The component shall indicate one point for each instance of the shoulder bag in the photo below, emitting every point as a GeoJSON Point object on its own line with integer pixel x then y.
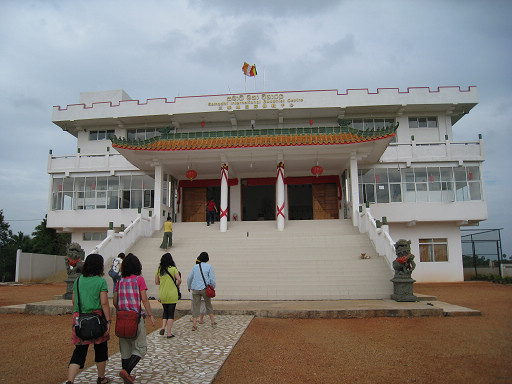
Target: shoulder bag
{"type": "Point", "coordinates": [127, 322]}
{"type": "Point", "coordinates": [210, 291]}
{"type": "Point", "coordinates": [89, 326]}
{"type": "Point", "coordinates": [112, 273]}
{"type": "Point", "coordinates": [174, 280]}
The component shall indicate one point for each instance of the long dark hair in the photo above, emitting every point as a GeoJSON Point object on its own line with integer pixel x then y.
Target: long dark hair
{"type": "Point", "coordinates": [131, 266]}
{"type": "Point", "coordinates": [93, 265]}
{"type": "Point", "coordinates": [165, 262]}
{"type": "Point", "coordinates": [202, 258]}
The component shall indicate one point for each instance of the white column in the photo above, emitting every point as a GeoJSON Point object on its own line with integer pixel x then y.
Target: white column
{"type": "Point", "coordinates": [280, 196]}
{"type": "Point", "coordinates": [224, 197]}
{"type": "Point", "coordinates": [354, 184]}
{"type": "Point", "coordinates": [158, 197]}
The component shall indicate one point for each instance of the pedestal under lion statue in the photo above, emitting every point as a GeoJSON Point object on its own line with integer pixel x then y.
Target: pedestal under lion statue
{"type": "Point", "coordinates": [403, 266]}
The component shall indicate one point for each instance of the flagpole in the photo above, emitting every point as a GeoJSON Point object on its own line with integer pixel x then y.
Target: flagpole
{"type": "Point", "coordinates": [245, 84]}
{"type": "Point", "coordinates": [264, 90]}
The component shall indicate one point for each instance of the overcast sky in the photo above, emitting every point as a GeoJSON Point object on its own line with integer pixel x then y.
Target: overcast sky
{"type": "Point", "coordinates": [50, 51]}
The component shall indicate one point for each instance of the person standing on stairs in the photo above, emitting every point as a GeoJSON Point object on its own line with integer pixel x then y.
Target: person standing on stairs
{"type": "Point", "coordinates": [131, 292]}
{"type": "Point", "coordinates": [211, 208]}
{"type": "Point", "coordinates": [168, 278]}
{"type": "Point", "coordinates": [167, 240]}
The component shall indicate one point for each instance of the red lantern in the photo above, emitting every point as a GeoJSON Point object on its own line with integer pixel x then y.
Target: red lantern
{"type": "Point", "coordinates": [310, 121]}
{"type": "Point", "coordinates": [191, 174]}
{"type": "Point", "coordinates": [202, 124]}
{"type": "Point", "coordinates": [317, 170]}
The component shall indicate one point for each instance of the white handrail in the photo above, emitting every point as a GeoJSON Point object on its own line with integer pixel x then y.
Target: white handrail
{"type": "Point", "coordinates": [115, 243]}
{"type": "Point", "coordinates": [384, 244]}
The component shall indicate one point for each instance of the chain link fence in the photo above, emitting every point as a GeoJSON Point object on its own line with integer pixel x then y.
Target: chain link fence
{"type": "Point", "coordinates": [481, 252]}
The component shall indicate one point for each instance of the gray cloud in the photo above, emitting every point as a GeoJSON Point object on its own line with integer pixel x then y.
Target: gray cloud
{"type": "Point", "coordinates": [53, 50]}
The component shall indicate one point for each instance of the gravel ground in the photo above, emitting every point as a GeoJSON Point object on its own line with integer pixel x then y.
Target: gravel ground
{"type": "Point", "coordinates": [378, 350]}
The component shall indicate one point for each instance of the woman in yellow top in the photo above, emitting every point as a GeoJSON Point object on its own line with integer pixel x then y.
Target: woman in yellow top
{"type": "Point", "coordinates": [167, 241]}
{"type": "Point", "coordinates": [169, 279]}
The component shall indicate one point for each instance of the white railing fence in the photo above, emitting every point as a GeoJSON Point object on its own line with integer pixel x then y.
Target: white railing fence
{"type": "Point", "coordinates": [379, 235]}
{"type": "Point", "coordinates": [115, 243]}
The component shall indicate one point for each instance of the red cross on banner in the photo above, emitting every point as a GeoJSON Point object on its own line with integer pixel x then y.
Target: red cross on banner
{"type": "Point", "coordinates": [280, 210]}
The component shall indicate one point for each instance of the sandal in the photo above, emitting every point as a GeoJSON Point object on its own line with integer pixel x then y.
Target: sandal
{"type": "Point", "coordinates": [103, 380]}
{"type": "Point", "coordinates": [162, 331]}
{"type": "Point", "coordinates": [194, 328]}
{"type": "Point", "coordinates": [126, 377]}
{"type": "Point", "coordinates": [171, 335]}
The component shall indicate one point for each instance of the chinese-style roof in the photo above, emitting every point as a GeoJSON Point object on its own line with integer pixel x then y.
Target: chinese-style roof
{"type": "Point", "coordinates": [251, 138]}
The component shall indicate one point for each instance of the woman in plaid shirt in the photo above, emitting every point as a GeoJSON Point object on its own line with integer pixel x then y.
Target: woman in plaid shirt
{"type": "Point", "coordinates": [130, 292]}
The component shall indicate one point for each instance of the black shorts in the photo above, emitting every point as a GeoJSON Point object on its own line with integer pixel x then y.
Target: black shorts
{"type": "Point", "coordinates": [168, 311]}
{"type": "Point", "coordinates": [80, 353]}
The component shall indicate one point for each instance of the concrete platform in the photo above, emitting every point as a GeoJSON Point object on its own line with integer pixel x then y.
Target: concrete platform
{"type": "Point", "coordinates": [331, 309]}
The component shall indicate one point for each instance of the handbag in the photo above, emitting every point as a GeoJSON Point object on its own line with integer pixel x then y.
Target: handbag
{"type": "Point", "coordinates": [174, 280]}
{"type": "Point", "coordinates": [113, 274]}
{"type": "Point", "coordinates": [127, 322]}
{"type": "Point", "coordinates": [210, 291]}
{"type": "Point", "coordinates": [89, 326]}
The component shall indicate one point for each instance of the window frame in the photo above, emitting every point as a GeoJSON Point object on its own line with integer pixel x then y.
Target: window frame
{"type": "Point", "coordinates": [423, 122]}
{"type": "Point", "coordinates": [434, 246]}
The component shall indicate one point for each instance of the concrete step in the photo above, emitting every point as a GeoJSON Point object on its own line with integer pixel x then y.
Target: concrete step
{"type": "Point", "coordinates": [309, 260]}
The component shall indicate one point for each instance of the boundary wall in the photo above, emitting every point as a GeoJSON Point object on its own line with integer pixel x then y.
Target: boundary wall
{"type": "Point", "coordinates": [36, 267]}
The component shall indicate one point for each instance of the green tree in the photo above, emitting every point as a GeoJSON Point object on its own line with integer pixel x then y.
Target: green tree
{"type": "Point", "coordinates": [47, 240]}
{"type": "Point", "coordinates": [21, 241]}
{"type": "Point", "coordinates": [7, 251]}
{"type": "Point", "coordinates": [5, 232]}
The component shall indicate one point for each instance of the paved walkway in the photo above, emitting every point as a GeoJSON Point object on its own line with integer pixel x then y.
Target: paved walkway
{"type": "Point", "coordinates": [191, 357]}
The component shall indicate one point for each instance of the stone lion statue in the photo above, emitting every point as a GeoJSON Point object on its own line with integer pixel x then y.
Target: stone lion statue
{"type": "Point", "coordinates": [404, 263]}
{"type": "Point", "coordinates": [74, 259]}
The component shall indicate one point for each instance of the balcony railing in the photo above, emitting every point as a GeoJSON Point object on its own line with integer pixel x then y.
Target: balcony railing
{"type": "Point", "coordinates": [434, 151]}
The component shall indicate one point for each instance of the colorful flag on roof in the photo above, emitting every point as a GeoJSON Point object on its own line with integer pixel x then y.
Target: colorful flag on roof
{"type": "Point", "coordinates": [249, 70]}
{"type": "Point", "coordinates": [246, 69]}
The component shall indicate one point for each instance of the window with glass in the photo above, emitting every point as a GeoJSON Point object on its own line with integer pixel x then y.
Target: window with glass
{"type": "Point", "coordinates": [420, 184]}
{"type": "Point", "coordinates": [423, 122]}
{"type": "Point", "coordinates": [103, 192]}
{"type": "Point", "coordinates": [101, 135]}
{"type": "Point", "coordinates": [142, 133]}
{"type": "Point", "coordinates": [433, 250]}
{"type": "Point", "coordinates": [371, 124]}
{"type": "Point", "coordinates": [94, 236]}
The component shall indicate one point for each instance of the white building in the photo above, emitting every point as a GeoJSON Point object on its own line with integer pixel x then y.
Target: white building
{"type": "Point", "coordinates": [254, 154]}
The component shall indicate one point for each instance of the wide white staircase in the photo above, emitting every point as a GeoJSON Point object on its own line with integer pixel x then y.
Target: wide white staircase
{"type": "Point", "coordinates": [309, 260]}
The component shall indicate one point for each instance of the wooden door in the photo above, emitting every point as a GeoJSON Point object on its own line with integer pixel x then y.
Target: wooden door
{"type": "Point", "coordinates": [325, 201]}
{"type": "Point", "coordinates": [194, 209]}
